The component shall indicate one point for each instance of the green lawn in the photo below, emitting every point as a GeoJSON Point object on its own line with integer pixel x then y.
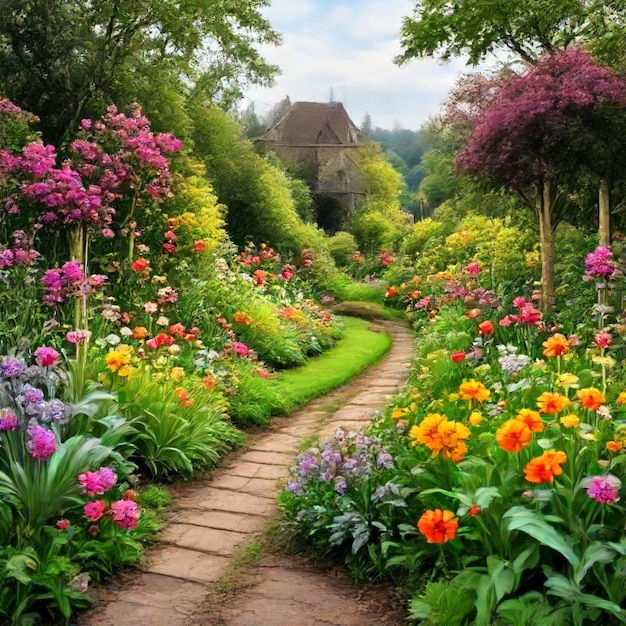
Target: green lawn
{"type": "Point", "coordinates": [359, 349]}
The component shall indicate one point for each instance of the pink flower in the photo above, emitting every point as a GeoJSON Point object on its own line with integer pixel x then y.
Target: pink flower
{"type": "Point", "coordinates": [42, 443]}
{"type": "Point", "coordinates": [77, 336]}
{"type": "Point", "coordinates": [287, 273]}
{"type": "Point", "coordinates": [603, 489]}
{"type": "Point", "coordinates": [240, 348]}
{"type": "Point", "coordinates": [63, 524]}
{"type": "Point", "coordinates": [96, 483]}
{"type": "Point", "coordinates": [46, 356]}
{"type": "Point", "coordinates": [150, 307]}
{"type": "Point", "coordinates": [473, 269]}
{"type": "Point", "coordinates": [125, 514]}
{"type": "Point", "coordinates": [8, 420]}
{"type": "Point", "coordinates": [603, 339]}
{"type": "Point", "coordinates": [95, 510]}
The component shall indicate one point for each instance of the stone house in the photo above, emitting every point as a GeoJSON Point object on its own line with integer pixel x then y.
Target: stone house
{"type": "Point", "coordinates": [323, 139]}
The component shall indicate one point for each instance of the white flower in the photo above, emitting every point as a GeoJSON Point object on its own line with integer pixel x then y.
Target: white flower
{"type": "Point", "coordinates": [113, 340]}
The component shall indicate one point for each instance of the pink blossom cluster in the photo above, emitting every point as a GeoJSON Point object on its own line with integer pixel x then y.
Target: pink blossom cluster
{"type": "Point", "coordinates": [20, 253]}
{"type": "Point", "coordinates": [61, 283]}
{"type": "Point", "coordinates": [603, 489]}
{"type": "Point", "coordinates": [527, 314]}
{"type": "Point", "coordinates": [241, 349]}
{"type": "Point", "coordinates": [98, 482]}
{"type": "Point", "coordinates": [42, 443]}
{"type": "Point", "coordinates": [124, 513]}
{"type": "Point", "coordinates": [599, 264]}
{"type": "Point", "coordinates": [8, 420]}
{"type": "Point", "coordinates": [46, 356]}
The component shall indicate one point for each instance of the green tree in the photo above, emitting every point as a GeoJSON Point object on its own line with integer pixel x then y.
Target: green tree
{"type": "Point", "coordinates": [527, 28]}
{"type": "Point", "coordinates": [66, 60]}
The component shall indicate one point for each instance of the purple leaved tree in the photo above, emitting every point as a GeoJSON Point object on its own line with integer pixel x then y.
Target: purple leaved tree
{"type": "Point", "coordinates": [528, 137]}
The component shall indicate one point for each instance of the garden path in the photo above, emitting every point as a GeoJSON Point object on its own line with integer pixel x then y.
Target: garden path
{"type": "Point", "coordinates": [213, 519]}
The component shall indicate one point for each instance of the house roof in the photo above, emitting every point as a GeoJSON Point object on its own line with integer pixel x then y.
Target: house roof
{"type": "Point", "coordinates": [314, 123]}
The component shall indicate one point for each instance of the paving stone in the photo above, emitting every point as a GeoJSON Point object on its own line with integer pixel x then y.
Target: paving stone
{"type": "Point", "coordinates": [240, 522]}
{"type": "Point", "coordinates": [276, 443]}
{"type": "Point", "coordinates": [203, 539]}
{"type": "Point", "coordinates": [280, 459]}
{"type": "Point", "coordinates": [185, 564]}
{"type": "Point", "coordinates": [257, 470]}
{"type": "Point", "coordinates": [254, 486]}
{"type": "Point", "coordinates": [222, 500]}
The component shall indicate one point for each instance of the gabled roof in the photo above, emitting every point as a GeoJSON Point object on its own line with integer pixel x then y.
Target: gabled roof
{"type": "Point", "coordinates": [314, 123]}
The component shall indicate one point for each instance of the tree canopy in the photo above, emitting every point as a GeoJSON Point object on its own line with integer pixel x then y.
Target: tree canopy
{"type": "Point", "coordinates": [66, 60]}
{"type": "Point", "coordinates": [527, 28]}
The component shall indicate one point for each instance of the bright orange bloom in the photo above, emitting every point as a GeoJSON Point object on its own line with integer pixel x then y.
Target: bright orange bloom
{"type": "Point", "coordinates": [513, 435]}
{"type": "Point", "coordinates": [208, 381]}
{"type": "Point", "coordinates": [613, 446]}
{"type": "Point", "coordinates": [557, 345]}
{"type": "Point", "coordinates": [140, 332]}
{"type": "Point", "coordinates": [473, 390]}
{"type": "Point", "coordinates": [485, 328]}
{"type": "Point", "coordinates": [440, 435]}
{"type": "Point", "coordinates": [239, 317]}
{"type": "Point", "coordinates": [531, 418]}
{"type": "Point", "coordinates": [591, 398]}
{"type": "Point", "coordinates": [544, 468]}
{"type": "Point", "coordinates": [182, 394]}
{"type": "Point", "coordinates": [438, 526]}
{"type": "Point", "coordinates": [550, 402]}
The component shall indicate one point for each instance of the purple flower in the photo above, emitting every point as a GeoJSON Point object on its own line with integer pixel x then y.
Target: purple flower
{"type": "Point", "coordinates": [326, 476]}
{"type": "Point", "coordinates": [42, 443]}
{"type": "Point", "coordinates": [295, 487]}
{"type": "Point", "coordinates": [32, 394]}
{"type": "Point", "coordinates": [55, 411]}
{"type": "Point", "coordinates": [603, 489]}
{"type": "Point", "coordinates": [8, 420]}
{"type": "Point", "coordinates": [384, 459]}
{"type": "Point", "coordinates": [307, 465]}
{"type": "Point", "coordinates": [331, 456]}
{"type": "Point", "coordinates": [599, 264]}
{"type": "Point", "coordinates": [12, 367]}
{"type": "Point", "coordinates": [341, 486]}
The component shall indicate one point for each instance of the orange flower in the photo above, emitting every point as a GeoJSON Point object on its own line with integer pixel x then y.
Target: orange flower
{"type": "Point", "coordinates": [438, 526]}
{"type": "Point", "coordinates": [544, 468]}
{"type": "Point", "coordinates": [473, 390]}
{"type": "Point", "coordinates": [557, 345]}
{"type": "Point", "coordinates": [440, 435]}
{"type": "Point", "coordinates": [550, 402]}
{"type": "Point", "coordinates": [590, 398]}
{"type": "Point", "coordinates": [514, 435]}
{"type": "Point", "coordinates": [613, 446]}
{"type": "Point", "coordinates": [531, 418]}
{"type": "Point", "coordinates": [239, 317]}
{"type": "Point", "coordinates": [140, 332]}
{"type": "Point", "coordinates": [485, 328]}
{"type": "Point", "coordinates": [182, 394]}
{"type": "Point", "coordinates": [208, 381]}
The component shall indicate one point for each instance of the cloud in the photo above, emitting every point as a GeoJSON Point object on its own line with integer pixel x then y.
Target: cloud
{"type": "Point", "coordinates": [349, 47]}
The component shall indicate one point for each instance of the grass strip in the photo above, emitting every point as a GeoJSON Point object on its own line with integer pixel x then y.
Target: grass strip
{"type": "Point", "coordinates": [359, 349]}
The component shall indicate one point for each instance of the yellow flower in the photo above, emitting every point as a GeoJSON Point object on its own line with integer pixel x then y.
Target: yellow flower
{"type": "Point", "coordinates": [557, 345]}
{"type": "Point", "coordinates": [605, 361]}
{"type": "Point", "coordinates": [570, 421]}
{"type": "Point", "coordinates": [567, 380]}
{"type": "Point", "coordinates": [399, 413]}
{"type": "Point", "coordinates": [475, 418]}
{"type": "Point", "coordinates": [176, 373]}
{"type": "Point", "coordinates": [125, 371]}
{"type": "Point", "coordinates": [117, 358]}
{"type": "Point", "coordinates": [621, 399]}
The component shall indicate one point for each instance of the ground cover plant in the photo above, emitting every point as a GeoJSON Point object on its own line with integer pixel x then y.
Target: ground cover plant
{"type": "Point", "coordinates": [491, 490]}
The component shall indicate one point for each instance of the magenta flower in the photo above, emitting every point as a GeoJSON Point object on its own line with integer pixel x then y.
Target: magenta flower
{"type": "Point", "coordinates": [12, 367]}
{"type": "Point", "coordinates": [95, 510]}
{"type": "Point", "coordinates": [46, 356]}
{"type": "Point", "coordinates": [125, 514]}
{"type": "Point", "coordinates": [240, 349]}
{"type": "Point", "coordinates": [8, 420]}
{"type": "Point", "coordinates": [96, 483]}
{"type": "Point", "coordinates": [77, 336]}
{"type": "Point", "coordinates": [599, 264]}
{"type": "Point", "coordinates": [603, 489]}
{"type": "Point", "coordinates": [42, 443]}
{"type": "Point", "coordinates": [473, 269]}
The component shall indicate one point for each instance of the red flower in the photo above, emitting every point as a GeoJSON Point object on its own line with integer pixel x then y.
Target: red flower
{"type": "Point", "coordinates": [162, 339]}
{"type": "Point", "coordinates": [168, 248]}
{"type": "Point", "coordinates": [457, 357]}
{"type": "Point", "coordinates": [140, 264]}
{"type": "Point", "coordinates": [485, 328]}
{"type": "Point", "coordinates": [287, 273]}
{"type": "Point", "coordinates": [199, 246]}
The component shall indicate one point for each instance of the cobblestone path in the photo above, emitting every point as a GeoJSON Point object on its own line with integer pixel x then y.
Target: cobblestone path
{"type": "Point", "coordinates": [212, 519]}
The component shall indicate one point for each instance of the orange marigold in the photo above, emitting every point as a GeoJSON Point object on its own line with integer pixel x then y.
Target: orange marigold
{"type": "Point", "coordinates": [591, 398]}
{"type": "Point", "coordinates": [557, 345]}
{"type": "Point", "coordinates": [513, 435]}
{"type": "Point", "coordinates": [473, 390]}
{"type": "Point", "coordinates": [440, 435]}
{"type": "Point", "coordinates": [544, 468]}
{"type": "Point", "coordinates": [531, 418]}
{"type": "Point", "coordinates": [438, 526]}
{"type": "Point", "coordinates": [613, 446]}
{"type": "Point", "coordinates": [140, 332]}
{"type": "Point", "coordinates": [239, 317]}
{"type": "Point", "coordinates": [570, 421]}
{"type": "Point", "coordinates": [621, 399]}
{"type": "Point", "coordinates": [551, 402]}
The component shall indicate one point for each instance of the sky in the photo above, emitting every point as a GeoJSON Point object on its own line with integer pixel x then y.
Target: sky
{"type": "Point", "coordinates": [349, 46]}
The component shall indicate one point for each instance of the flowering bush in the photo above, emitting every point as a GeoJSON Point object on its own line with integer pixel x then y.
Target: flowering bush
{"type": "Point", "coordinates": [506, 452]}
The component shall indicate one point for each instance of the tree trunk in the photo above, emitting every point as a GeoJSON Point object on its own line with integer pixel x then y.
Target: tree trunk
{"type": "Point", "coordinates": [543, 208]}
{"type": "Point", "coordinates": [604, 229]}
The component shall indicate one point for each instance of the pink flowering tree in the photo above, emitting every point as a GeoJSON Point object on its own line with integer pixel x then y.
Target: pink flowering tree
{"type": "Point", "coordinates": [523, 139]}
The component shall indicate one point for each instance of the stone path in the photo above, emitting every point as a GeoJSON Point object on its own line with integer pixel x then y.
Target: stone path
{"type": "Point", "coordinates": [212, 519]}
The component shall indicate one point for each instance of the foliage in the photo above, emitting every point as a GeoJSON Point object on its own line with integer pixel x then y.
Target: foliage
{"type": "Point", "coordinates": [527, 29]}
